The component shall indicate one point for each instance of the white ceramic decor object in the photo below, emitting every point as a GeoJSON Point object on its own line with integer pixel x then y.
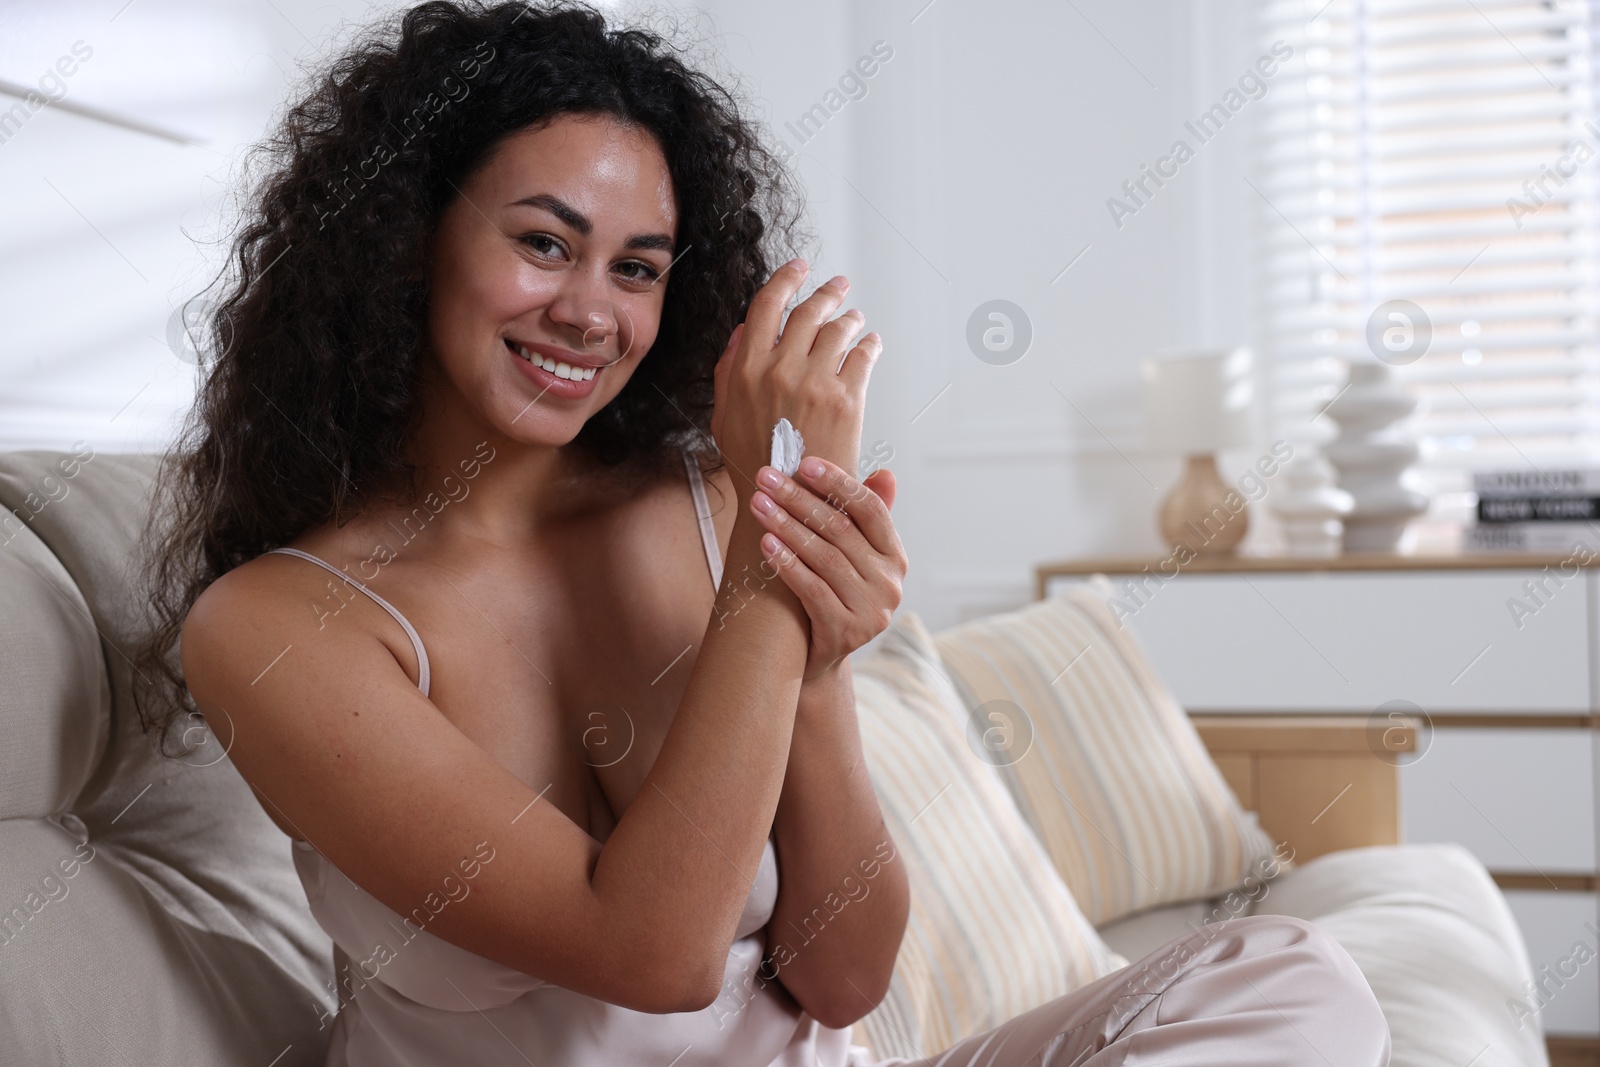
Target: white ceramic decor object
{"type": "Point", "coordinates": [1374, 454]}
{"type": "Point", "coordinates": [788, 447]}
{"type": "Point", "coordinates": [1311, 507]}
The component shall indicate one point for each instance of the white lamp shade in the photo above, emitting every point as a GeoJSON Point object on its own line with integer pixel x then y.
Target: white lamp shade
{"type": "Point", "coordinates": [1197, 402]}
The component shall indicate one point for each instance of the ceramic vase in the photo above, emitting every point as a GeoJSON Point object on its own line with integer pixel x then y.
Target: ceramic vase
{"type": "Point", "coordinates": [1311, 508]}
{"type": "Point", "coordinates": [1374, 454]}
{"type": "Point", "coordinates": [1197, 513]}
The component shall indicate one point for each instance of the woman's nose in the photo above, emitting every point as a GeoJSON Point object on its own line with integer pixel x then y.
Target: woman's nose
{"type": "Point", "coordinates": [599, 322]}
{"type": "Point", "coordinates": [599, 327]}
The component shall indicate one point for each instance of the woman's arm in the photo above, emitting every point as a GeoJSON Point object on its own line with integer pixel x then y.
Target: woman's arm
{"type": "Point", "coordinates": [843, 897]}
{"type": "Point", "coordinates": [843, 901]}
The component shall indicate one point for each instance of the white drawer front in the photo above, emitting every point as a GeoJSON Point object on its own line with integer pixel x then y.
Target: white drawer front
{"type": "Point", "coordinates": [1521, 800]}
{"type": "Point", "coordinates": [1353, 641]}
{"type": "Point", "coordinates": [1553, 924]}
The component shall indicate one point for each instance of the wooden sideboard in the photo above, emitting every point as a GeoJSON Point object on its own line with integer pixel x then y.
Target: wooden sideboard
{"type": "Point", "coordinates": [1497, 656]}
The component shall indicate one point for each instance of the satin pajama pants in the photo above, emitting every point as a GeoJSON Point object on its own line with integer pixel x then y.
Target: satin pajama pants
{"type": "Point", "coordinates": [1265, 990]}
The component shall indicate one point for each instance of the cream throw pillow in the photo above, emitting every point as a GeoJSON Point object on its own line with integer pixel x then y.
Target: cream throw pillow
{"type": "Point", "coordinates": [993, 931]}
{"type": "Point", "coordinates": [1103, 763]}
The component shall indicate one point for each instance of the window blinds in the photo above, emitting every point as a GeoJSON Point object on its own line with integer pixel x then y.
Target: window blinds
{"type": "Point", "coordinates": [1446, 154]}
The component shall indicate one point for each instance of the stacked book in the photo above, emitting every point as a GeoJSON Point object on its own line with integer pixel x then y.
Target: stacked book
{"type": "Point", "coordinates": [1535, 511]}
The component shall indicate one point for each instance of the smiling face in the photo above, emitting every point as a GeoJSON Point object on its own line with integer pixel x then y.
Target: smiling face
{"type": "Point", "coordinates": [549, 272]}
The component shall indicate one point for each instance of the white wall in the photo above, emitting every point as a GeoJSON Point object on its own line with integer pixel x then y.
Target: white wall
{"type": "Point", "coordinates": [976, 167]}
{"type": "Point", "coordinates": [106, 232]}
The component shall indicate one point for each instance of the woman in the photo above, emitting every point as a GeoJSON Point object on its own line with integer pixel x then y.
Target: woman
{"type": "Point", "coordinates": [482, 576]}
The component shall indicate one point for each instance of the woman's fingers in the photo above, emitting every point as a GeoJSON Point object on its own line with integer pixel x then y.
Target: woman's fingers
{"type": "Point", "coordinates": [867, 511]}
{"type": "Point", "coordinates": [821, 556]}
{"type": "Point", "coordinates": [810, 369]}
{"type": "Point", "coordinates": [881, 481]}
{"type": "Point", "coordinates": [816, 595]}
{"type": "Point", "coordinates": [806, 321]}
{"type": "Point", "coordinates": [719, 381]}
{"type": "Point", "coordinates": [834, 339]}
{"type": "Point", "coordinates": [766, 308]}
{"type": "Point", "coordinates": [821, 518]}
{"type": "Point", "coordinates": [857, 365]}
{"type": "Point", "coordinates": [800, 328]}
{"type": "Point", "coordinates": [731, 347]}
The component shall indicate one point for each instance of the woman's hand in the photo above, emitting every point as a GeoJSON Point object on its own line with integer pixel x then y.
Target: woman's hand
{"type": "Point", "coordinates": [814, 375]}
{"type": "Point", "coordinates": [832, 542]}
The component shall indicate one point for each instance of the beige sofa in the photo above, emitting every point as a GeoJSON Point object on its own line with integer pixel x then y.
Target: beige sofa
{"type": "Point", "coordinates": [150, 913]}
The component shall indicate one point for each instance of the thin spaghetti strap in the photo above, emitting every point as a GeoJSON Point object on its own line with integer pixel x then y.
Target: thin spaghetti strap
{"type": "Point", "coordinates": [702, 513]}
{"type": "Point", "coordinates": [411, 631]}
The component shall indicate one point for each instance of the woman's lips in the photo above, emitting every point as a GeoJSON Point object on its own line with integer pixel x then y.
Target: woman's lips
{"type": "Point", "coordinates": [552, 376]}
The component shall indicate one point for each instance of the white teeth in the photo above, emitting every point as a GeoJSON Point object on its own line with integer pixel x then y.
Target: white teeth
{"type": "Point", "coordinates": [560, 370]}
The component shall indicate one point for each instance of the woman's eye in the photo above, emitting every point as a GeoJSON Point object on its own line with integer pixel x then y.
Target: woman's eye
{"type": "Point", "coordinates": [542, 243]}
{"type": "Point", "coordinates": [635, 271]}
{"type": "Point", "coordinates": [632, 271]}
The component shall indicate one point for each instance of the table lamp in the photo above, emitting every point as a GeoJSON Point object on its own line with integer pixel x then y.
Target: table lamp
{"type": "Point", "coordinates": [1195, 404]}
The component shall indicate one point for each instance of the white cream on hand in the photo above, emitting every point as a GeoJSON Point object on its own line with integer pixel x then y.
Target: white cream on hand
{"type": "Point", "coordinates": [787, 447]}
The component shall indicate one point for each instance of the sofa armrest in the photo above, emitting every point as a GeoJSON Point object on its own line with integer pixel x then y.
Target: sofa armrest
{"type": "Point", "coordinates": [1319, 782]}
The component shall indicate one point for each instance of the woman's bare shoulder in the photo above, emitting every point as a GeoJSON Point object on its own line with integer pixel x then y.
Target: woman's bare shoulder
{"type": "Point", "coordinates": [274, 598]}
{"type": "Point", "coordinates": [254, 585]}
{"type": "Point", "coordinates": [268, 583]}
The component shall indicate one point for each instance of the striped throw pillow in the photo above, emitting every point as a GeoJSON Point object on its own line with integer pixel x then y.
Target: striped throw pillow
{"type": "Point", "coordinates": [993, 931]}
{"type": "Point", "coordinates": [1105, 766]}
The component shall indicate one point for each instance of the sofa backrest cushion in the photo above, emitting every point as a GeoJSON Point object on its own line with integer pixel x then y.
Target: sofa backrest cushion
{"type": "Point", "coordinates": [1103, 763]}
{"type": "Point", "coordinates": [993, 931]}
{"type": "Point", "coordinates": [55, 700]}
{"type": "Point", "coordinates": [149, 910]}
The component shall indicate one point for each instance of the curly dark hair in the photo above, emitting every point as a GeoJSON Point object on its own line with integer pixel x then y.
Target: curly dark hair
{"type": "Point", "coordinates": [320, 328]}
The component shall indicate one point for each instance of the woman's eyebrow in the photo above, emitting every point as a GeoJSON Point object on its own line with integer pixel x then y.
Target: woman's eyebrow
{"type": "Point", "coordinates": [579, 221]}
